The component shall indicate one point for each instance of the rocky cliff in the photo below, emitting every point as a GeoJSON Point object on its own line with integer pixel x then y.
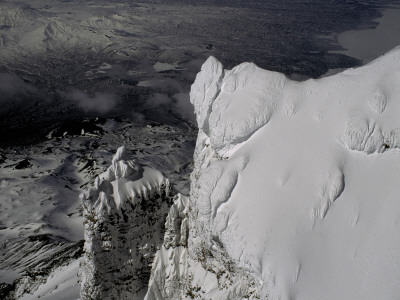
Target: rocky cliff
{"type": "Point", "coordinates": [124, 216]}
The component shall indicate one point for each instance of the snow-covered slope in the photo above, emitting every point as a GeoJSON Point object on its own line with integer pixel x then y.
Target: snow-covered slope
{"type": "Point", "coordinates": [295, 186]}
{"type": "Point", "coordinates": [38, 266]}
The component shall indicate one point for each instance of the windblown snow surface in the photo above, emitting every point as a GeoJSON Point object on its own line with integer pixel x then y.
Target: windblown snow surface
{"type": "Point", "coordinates": [297, 183]}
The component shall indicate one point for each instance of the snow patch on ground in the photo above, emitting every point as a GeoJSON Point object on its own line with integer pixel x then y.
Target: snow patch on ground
{"type": "Point", "coordinates": [62, 284]}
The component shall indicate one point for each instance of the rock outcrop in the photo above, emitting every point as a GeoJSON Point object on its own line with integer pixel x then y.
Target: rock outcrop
{"type": "Point", "coordinates": [124, 216]}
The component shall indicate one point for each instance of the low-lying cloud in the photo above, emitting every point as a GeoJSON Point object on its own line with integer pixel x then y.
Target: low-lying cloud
{"type": "Point", "coordinates": [183, 106]}
{"type": "Point", "coordinates": [159, 99]}
{"type": "Point", "coordinates": [98, 102]}
{"type": "Point", "coordinates": [138, 119]}
{"type": "Point", "coordinates": [179, 103]}
{"type": "Point", "coordinates": [12, 86]}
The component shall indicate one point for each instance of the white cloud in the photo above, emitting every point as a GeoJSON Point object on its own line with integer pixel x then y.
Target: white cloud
{"type": "Point", "coordinates": [183, 106]}
{"type": "Point", "coordinates": [99, 102]}
{"type": "Point", "coordinates": [11, 85]}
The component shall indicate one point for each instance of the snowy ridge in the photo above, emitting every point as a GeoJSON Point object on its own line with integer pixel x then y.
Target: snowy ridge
{"type": "Point", "coordinates": [296, 182]}
{"type": "Point", "coordinates": [124, 216]}
{"type": "Point", "coordinates": [225, 119]}
{"type": "Point", "coordinates": [124, 180]}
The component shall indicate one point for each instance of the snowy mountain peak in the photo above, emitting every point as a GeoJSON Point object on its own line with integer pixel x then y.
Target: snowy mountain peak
{"type": "Point", "coordinates": [231, 105]}
{"type": "Point", "coordinates": [205, 89]}
{"type": "Point", "coordinates": [297, 179]}
{"type": "Point", "coordinates": [124, 180]}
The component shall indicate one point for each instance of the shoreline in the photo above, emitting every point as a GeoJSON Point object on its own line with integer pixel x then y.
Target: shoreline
{"type": "Point", "coordinates": [369, 44]}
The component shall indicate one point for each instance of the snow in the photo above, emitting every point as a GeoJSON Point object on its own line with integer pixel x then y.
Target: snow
{"type": "Point", "coordinates": [294, 192]}
{"type": "Point", "coordinates": [124, 180]}
{"type": "Point", "coordinates": [299, 181]}
{"type": "Point", "coordinates": [161, 67]}
{"type": "Point", "coordinates": [62, 284]}
{"type": "Point", "coordinates": [41, 197]}
{"type": "Point", "coordinates": [241, 121]}
{"type": "Point", "coordinates": [8, 276]}
{"type": "Point", "coordinates": [40, 209]}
